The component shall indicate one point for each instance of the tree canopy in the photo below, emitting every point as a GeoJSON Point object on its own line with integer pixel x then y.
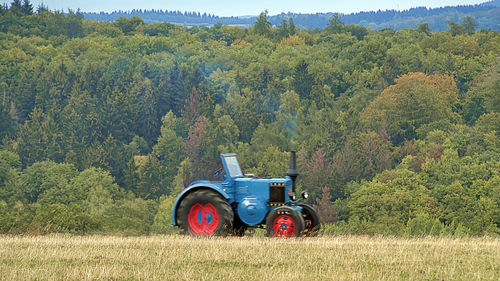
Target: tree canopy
{"type": "Point", "coordinates": [396, 131]}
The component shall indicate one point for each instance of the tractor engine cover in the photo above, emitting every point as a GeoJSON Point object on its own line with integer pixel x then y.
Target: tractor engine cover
{"type": "Point", "coordinates": [252, 210]}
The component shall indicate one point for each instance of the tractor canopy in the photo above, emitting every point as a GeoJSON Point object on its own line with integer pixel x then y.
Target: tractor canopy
{"type": "Point", "coordinates": [231, 165]}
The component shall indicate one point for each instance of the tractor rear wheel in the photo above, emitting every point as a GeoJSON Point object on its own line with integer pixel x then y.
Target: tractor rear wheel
{"type": "Point", "coordinates": [284, 222]}
{"type": "Point", "coordinates": [205, 212]}
{"type": "Point", "coordinates": [311, 220]}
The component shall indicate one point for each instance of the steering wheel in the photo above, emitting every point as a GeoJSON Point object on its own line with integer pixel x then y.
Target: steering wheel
{"type": "Point", "coordinates": [218, 172]}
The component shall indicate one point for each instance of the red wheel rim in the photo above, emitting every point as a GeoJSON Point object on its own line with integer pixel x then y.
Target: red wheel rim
{"type": "Point", "coordinates": [284, 226]}
{"type": "Point", "coordinates": [203, 220]}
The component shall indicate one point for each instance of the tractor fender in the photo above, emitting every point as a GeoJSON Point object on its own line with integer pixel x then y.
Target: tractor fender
{"type": "Point", "coordinates": [193, 188]}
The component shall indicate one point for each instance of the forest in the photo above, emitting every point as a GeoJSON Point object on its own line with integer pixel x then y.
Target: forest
{"type": "Point", "coordinates": [397, 132]}
{"type": "Point", "coordinates": [485, 15]}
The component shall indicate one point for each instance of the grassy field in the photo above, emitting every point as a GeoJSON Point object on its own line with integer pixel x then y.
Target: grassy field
{"type": "Point", "coordinates": [175, 257]}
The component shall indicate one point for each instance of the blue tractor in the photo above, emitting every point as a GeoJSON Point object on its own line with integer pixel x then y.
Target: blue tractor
{"type": "Point", "coordinates": [240, 201]}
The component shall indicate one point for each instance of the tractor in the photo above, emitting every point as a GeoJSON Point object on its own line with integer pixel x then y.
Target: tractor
{"type": "Point", "coordinates": [238, 201]}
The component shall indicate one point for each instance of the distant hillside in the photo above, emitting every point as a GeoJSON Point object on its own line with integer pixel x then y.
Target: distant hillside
{"type": "Point", "coordinates": [486, 15]}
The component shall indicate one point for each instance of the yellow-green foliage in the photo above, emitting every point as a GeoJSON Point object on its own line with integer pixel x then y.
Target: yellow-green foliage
{"type": "Point", "coordinates": [397, 131]}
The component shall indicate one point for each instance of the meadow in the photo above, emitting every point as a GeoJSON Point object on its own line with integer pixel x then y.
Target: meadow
{"type": "Point", "coordinates": [173, 257]}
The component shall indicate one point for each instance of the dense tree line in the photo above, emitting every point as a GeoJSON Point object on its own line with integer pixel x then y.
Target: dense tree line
{"type": "Point", "coordinates": [177, 17]}
{"type": "Point", "coordinates": [485, 14]}
{"type": "Point", "coordinates": [397, 131]}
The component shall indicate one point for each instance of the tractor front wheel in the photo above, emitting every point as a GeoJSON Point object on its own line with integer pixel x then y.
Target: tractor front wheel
{"type": "Point", "coordinates": [205, 212]}
{"type": "Point", "coordinates": [284, 222]}
{"type": "Point", "coordinates": [311, 220]}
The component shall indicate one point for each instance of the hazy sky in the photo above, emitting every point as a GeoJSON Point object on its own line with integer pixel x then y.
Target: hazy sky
{"type": "Point", "coordinates": [249, 7]}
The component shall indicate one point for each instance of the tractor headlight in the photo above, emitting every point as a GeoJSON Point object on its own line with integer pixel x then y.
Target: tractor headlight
{"type": "Point", "coordinates": [292, 196]}
{"type": "Point", "coordinates": [304, 194]}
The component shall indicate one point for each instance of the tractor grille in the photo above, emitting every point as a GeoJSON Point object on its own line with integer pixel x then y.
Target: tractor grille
{"type": "Point", "coordinates": [276, 194]}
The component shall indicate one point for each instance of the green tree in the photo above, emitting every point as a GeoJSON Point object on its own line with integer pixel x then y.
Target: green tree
{"type": "Point", "coordinates": [244, 110]}
{"type": "Point", "coordinates": [273, 163]}
{"type": "Point", "coordinates": [415, 100]}
{"type": "Point", "coordinates": [302, 80]}
{"type": "Point", "coordinates": [469, 25]}
{"type": "Point", "coordinates": [131, 216]}
{"type": "Point", "coordinates": [74, 25]}
{"type": "Point", "coordinates": [128, 25]}
{"type": "Point", "coordinates": [391, 198]}
{"type": "Point", "coordinates": [7, 124]}
{"type": "Point", "coordinates": [262, 26]}
{"type": "Point", "coordinates": [40, 139]}
{"type": "Point", "coordinates": [286, 29]}
{"type": "Point", "coordinates": [63, 218]}
{"type": "Point", "coordinates": [266, 135]}
{"type": "Point", "coordinates": [16, 7]}
{"type": "Point", "coordinates": [54, 185]}
{"type": "Point", "coordinates": [424, 28]}
{"type": "Point", "coordinates": [224, 132]}
{"type": "Point", "coordinates": [150, 184]}
{"type": "Point", "coordinates": [163, 219]}
{"type": "Point", "coordinates": [9, 173]}
{"type": "Point", "coordinates": [97, 188]}
{"type": "Point", "coordinates": [138, 146]}
{"type": "Point", "coordinates": [482, 96]}
{"type": "Point", "coordinates": [27, 7]}
{"type": "Point", "coordinates": [335, 25]}
{"type": "Point", "coordinates": [170, 148]}
{"type": "Point", "coordinates": [455, 28]}
{"type": "Point", "coordinates": [292, 29]}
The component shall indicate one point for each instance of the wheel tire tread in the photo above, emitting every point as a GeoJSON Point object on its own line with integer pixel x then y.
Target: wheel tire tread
{"type": "Point", "coordinates": [316, 222]}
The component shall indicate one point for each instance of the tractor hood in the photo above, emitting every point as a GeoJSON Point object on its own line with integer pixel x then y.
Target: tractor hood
{"type": "Point", "coordinates": [287, 180]}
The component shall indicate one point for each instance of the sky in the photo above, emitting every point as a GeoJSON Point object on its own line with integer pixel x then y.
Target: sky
{"type": "Point", "coordinates": [249, 7]}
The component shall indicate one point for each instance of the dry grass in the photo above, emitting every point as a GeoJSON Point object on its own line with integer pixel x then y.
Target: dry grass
{"type": "Point", "coordinates": [248, 258]}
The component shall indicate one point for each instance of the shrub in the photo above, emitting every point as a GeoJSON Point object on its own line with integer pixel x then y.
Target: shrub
{"type": "Point", "coordinates": [423, 224]}
{"type": "Point", "coordinates": [64, 218]}
{"type": "Point", "coordinates": [163, 219]}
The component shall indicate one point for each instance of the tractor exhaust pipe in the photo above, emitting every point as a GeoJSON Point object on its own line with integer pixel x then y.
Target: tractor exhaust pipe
{"type": "Point", "coordinates": [292, 172]}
